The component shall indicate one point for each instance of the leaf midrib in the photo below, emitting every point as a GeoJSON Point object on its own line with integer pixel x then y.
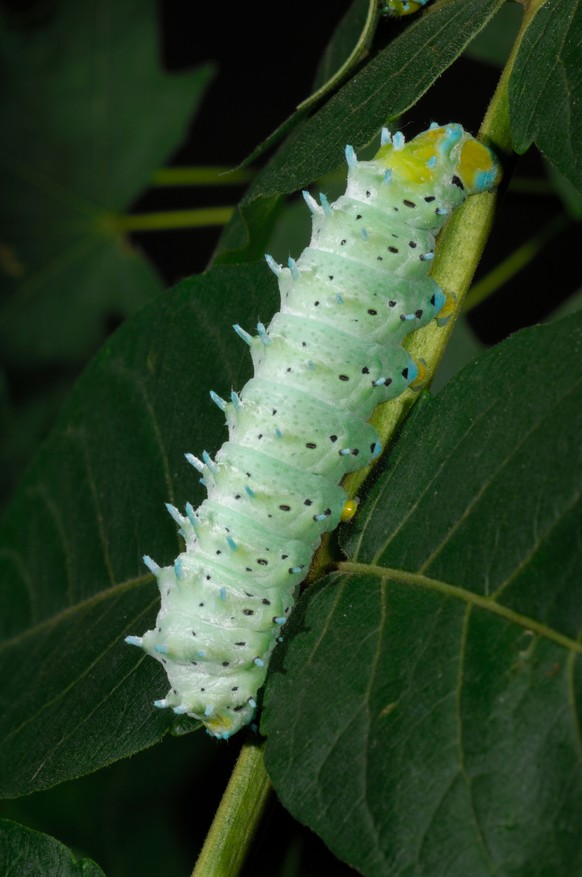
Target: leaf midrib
{"type": "Point", "coordinates": [468, 597]}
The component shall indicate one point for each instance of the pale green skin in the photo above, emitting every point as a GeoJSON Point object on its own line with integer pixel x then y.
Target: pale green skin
{"type": "Point", "coordinates": [218, 602]}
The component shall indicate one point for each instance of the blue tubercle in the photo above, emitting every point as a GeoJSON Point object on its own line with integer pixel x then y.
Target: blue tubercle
{"type": "Point", "coordinates": [263, 334]}
{"type": "Point", "coordinates": [151, 564]}
{"type": "Point", "coordinates": [218, 400]}
{"type": "Point", "coordinates": [175, 514]}
{"type": "Point", "coordinates": [293, 268]}
{"type": "Point", "coordinates": [398, 141]}
{"type": "Point", "coordinates": [325, 204]}
{"type": "Point", "coordinates": [194, 461]}
{"type": "Point", "coordinates": [242, 334]}
{"type": "Point", "coordinates": [351, 157]}
{"type": "Point", "coordinates": [274, 266]}
{"type": "Point", "coordinates": [311, 202]}
{"type": "Point", "coordinates": [134, 641]}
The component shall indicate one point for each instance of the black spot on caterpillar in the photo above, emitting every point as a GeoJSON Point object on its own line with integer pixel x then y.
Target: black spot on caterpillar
{"type": "Point", "coordinates": [327, 359]}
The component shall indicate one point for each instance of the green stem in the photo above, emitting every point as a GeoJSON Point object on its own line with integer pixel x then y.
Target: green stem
{"type": "Point", "coordinates": [514, 263]}
{"type": "Point", "coordinates": [165, 220]}
{"type": "Point", "coordinates": [237, 817]}
{"type": "Point", "coordinates": [201, 176]}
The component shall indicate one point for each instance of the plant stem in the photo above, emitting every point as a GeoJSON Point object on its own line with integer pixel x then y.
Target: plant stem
{"type": "Point", "coordinates": [201, 176]}
{"type": "Point", "coordinates": [514, 263]}
{"type": "Point", "coordinates": [237, 817]}
{"type": "Point", "coordinates": [169, 219]}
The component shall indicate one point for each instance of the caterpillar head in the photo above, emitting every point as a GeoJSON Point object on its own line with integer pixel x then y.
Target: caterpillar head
{"type": "Point", "coordinates": [438, 151]}
{"type": "Point", "coordinates": [446, 163]}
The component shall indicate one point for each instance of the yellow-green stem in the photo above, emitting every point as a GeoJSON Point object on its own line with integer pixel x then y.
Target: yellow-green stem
{"type": "Point", "coordinates": [172, 219]}
{"type": "Point", "coordinates": [201, 176]}
{"type": "Point", "coordinates": [237, 817]}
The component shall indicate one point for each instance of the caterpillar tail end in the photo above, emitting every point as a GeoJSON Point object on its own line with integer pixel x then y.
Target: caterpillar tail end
{"type": "Point", "coordinates": [223, 725]}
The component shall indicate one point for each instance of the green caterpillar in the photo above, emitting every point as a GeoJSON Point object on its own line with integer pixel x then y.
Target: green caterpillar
{"type": "Point", "coordinates": [402, 7]}
{"type": "Point", "coordinates": [327, 359]}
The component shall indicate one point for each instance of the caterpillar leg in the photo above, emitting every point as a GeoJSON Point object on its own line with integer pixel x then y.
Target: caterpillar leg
{"type": "Point", "coordinates": [447, 310]}
{"type": "Point", "coordinates": [402, 7]}
{"type": "Point", "coordinates": [349, 510]}
{"type": "Point", "coordinates": [420, 380]}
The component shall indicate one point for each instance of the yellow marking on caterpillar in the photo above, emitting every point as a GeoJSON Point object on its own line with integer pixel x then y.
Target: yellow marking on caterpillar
{"type": "Point", "coordinates": [421, 162]}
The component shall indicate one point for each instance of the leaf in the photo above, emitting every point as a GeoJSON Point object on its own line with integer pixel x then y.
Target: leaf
{"type": "Point", "coordinates": [424, 716]}
{"type": "Point", "coordinates": [88, 117]}
{"type": "Point", "coordinates": [31, 853]}
{"type": "Point", "coordinates": [383, 89]}
{"type": "Point", "coordinates": [74, 697]}
{"type": "Point", "coordinates": [545, 88]}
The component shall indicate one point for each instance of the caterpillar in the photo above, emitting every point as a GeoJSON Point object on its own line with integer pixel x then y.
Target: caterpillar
{"type": "Point", "coordinates": [402, 7]}
{"type": "Point", "coordinates": [329, 356]}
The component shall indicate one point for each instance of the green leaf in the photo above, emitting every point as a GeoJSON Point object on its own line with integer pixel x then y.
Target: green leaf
{"type": "Point", "coordinates": [31, 853]}
{"type": "Point", "coordinates": [424, 716]}
{"type": "Point", "coordinates": [545, 89]}
{"type": "Point", "coordinates": [383, 89]}
{"type": "Point", "coordinates": [72, 584]}
{"type": "Point", "coordinates": [88, 116]}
